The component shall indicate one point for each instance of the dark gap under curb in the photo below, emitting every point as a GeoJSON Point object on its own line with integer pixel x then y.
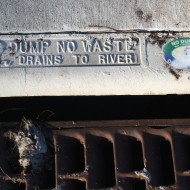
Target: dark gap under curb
{"type": "Point", "coordinates": [94, 107]}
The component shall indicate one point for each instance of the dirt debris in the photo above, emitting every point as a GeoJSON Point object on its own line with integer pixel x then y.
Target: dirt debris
{"type": "Point", "coordinates": [163, 188]}
{"type": "Point", "coordinates": [31, 146]}
{"type": "Point", "coordinates": [174, 73]}
{"type": "Point", "coordinates": [144, 174]}
{"type": "Point", "coordinates": [161, 38]}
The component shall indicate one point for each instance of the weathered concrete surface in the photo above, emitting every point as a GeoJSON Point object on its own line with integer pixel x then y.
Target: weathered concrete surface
{"type": "Point", "coordinates": [87, 15]}
{"type": "Point", "coordinates": [152, 76]}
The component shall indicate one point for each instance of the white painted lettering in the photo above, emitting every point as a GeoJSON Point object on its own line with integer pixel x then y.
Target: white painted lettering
{"type": "Point", "coordinates": [22, 60]}
{"type": "Point", "coordinates": [87, 46]}
{"type": "Point", "coordinates": [97, 46]}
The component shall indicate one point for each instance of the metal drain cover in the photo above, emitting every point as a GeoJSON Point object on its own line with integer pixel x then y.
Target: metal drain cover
{"type": "Point", "coordinates": [103, 157]}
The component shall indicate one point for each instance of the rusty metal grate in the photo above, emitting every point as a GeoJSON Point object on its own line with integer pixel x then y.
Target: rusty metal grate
{"type": "Point", "coordinates": [123, 158]}
{"type": "Point", "coordinates": [107, 156]}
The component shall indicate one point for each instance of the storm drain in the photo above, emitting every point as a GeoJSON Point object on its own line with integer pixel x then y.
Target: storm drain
{"type": "Point", "coordinates": [123, 158]}
{"type": "Point", "coordinates": [102, 158]}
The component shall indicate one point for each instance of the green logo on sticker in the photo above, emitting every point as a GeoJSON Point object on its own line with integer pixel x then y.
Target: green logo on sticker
{"type": "Point", "coordinates": [177, 53]}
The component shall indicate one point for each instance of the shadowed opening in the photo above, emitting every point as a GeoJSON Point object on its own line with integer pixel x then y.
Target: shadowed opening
{"type": "Point", "coordinates": [129, 153]}
{"type": "Point", "coordinates": [100, 161]}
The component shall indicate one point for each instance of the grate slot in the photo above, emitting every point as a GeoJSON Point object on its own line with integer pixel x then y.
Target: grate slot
{"type": "Point", "coordinates": [182, 151]}
{"type": "Point", "coordinates": [42, 180]}
{"type": "Point", "coordinates": [132, 184]}
{"type": "Point", "coordinates": [159, 160]}
{"type": "Point", "coordinates": [100, 161]}
{"type": "Point", "coordinates": [71, 184]}
{"type": "Point", "coordinates": [70, 155]}
{"type": "Point", "coordinates": [184, 183]}
{"type": "Point", "coordinates": [129, 154]}
{"type": "Point", "coordinates": [9, 185]}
